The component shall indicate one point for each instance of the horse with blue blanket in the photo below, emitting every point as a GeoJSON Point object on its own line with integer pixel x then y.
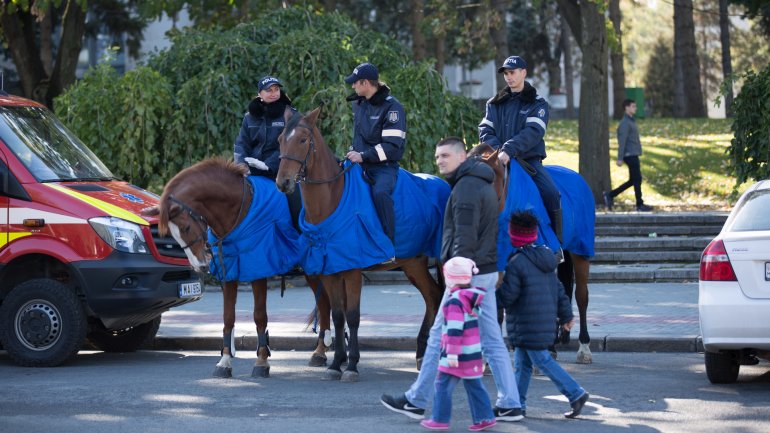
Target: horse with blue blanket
{"type": "Point", "coordinates": [342, 234]}
{"type": "Point", "coordinates": [515, 184]}
{"type": "Point", "coordinates": [240, 229]}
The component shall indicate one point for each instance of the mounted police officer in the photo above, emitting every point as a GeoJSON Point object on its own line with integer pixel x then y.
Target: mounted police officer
{"type": "Point", "coordinates": [515, 122]}
{"type": "Point", "coordinates": [379, 138]}
{"type": "Point", "coordinates": [257, 143]}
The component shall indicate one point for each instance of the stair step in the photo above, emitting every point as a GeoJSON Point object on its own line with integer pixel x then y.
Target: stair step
{"type": "Point", "coordinates": [659, 244]}
{"type": "Point", "coordinates": [636, 256]}
{"type": "Point", "coordinates": [662, 218]}
{"type": "Point", "coordinates": [643, 273]}
{"type": "Point", "coordinates": [660, 230]}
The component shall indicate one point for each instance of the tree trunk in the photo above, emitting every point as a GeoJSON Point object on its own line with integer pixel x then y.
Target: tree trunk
{"type": "Point", "coordinates": [418, 39]}
{"type": "Point", "coordinates": [46, 43]}
{"type": "Point", "coordinates": [499, 34]}
{"type": "Point", "coordinates": [569, 75]}
{"type": "Point", "coordinates": [570, 11]}
{"type": "Point", "coordinates": [688, 95]}
{"type": "Point", "coordinates": [19, 31]}
{"type": "Point", "coordinates": [440, 53]}
{"type": "Point", "coordinates": [70, 44]}
{"type": "Point", "coordinates": [593, 130]}
{"type": "Point", "coordinates": [616, 58]}
{"type": "Point", "coordinates": [727, 67]}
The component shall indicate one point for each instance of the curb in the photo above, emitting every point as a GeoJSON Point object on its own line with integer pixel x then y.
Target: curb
{"type": "Point", "coordinates": [609, 343]}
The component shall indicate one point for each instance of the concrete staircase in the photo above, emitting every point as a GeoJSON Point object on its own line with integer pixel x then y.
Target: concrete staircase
{"type": "Point", "coordinates": [652, 247]}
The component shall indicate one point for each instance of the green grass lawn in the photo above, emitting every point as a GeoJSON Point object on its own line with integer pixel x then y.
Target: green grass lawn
{"type": "Point", "coordinates": [684, 164]}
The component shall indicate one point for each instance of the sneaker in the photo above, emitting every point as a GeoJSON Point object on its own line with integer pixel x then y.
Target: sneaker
{"type": "Point", "coordinates": [514, 414]}
{"type": "Point", "coordinates": [401, 405]}
{"type": "Point", "coordinates": [644, 208]}
{"type": "Point", "coordinates": [483, 425]}
{"type": "Point", "coordinates": [434, 425]}
{"type": "Point", "coordinates": [577, 406]}
{"type": "Point", "coordinates": [607, 200]}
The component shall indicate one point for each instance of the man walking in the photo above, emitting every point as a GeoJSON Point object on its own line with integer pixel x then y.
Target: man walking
{"type": "Point", "coordinates": [629, 150]}
{"type": "Point", "coordinates": [470, 230]}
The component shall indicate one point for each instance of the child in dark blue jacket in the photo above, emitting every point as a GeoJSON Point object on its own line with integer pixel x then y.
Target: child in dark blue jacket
{"type": "Point", "coordinates": [533, 298]}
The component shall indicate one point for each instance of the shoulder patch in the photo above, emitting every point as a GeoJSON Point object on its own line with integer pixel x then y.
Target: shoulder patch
{"type": "Point", "coordinates": [392, 116]}
{"type": "Point", "coordinates": [541, 112]}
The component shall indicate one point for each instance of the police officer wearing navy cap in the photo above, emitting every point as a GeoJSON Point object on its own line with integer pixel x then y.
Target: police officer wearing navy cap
{"type": "Point", "coordinates": [515, 122]}
{"type": "Point", "coordinates": [379, 138]}
{"type": "Point", "coordinates": [257, 144]}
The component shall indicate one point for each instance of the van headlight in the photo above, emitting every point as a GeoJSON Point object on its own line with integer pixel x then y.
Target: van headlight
{"type": "Point", "coordinates": [120, 234]}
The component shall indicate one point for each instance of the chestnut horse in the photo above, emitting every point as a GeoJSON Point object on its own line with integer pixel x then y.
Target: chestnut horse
{"type": "Point", "coordinates": [214, 194]}
{"type": "Point", "coordinates": [305, 158]}
{"type": "Point", "coordinates": [573, 272]}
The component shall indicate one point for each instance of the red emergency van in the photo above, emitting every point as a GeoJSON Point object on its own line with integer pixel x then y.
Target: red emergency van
{"type": "Point", "coordinates": [77, 260]}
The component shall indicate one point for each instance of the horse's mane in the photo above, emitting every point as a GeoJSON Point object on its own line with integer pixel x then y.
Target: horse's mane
{"type": "Point", "coordinates": [203, 171]}
{"type": "Point", "coordinates": [480, 150]}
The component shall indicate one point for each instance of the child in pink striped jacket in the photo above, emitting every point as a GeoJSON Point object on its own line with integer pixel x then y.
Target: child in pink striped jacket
{"type": "Point", "coordinates": [461, 350]}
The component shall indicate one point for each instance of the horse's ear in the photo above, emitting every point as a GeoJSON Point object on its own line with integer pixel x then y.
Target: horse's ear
{"type": "Point", "coordinates": [151, 211]}
{"type": "Point", "coordinates": [312, 117]}
{"type": "Point", "coordinates": [287, 114]}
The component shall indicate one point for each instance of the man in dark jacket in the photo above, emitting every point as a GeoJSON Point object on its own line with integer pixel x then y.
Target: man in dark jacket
{"type": "Point", "coordinates": [533, 299]}
{"type": "Point", "coordinates": [629, 151]}
{"type": "Point", "coordinates": [379, 137]}
{"type": "Point", "coordinates": [470, 230]}
{"type": "Point", "coordinates": [515, 122]}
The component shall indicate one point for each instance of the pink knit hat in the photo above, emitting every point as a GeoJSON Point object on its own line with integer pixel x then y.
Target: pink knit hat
{"type": "Point", "coordinates": [459, 270]}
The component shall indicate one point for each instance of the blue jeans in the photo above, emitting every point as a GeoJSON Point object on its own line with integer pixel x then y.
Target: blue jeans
{"type": "Point", "coordinates": [478, 400]}
{"type": "Point", "coordinates": [545, 362]}
{"type": "Point", "coordinates": [492, 348]}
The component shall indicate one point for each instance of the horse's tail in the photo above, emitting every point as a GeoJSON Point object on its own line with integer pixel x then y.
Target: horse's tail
{"type": "Point", "coordinates": [312, 320]}
{"type": "Point", "coordinates": [440, 274]}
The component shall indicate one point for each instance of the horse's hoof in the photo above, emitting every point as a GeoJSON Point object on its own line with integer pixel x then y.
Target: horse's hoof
{"type": "Point", "coordinates": [317, 361]}
{"type": "Point", "coordinates": [349, 376]}
{"type": "Point", "coordinates": [223, 372]}
{"type": "Point", "coordinates": [419, 364]}
{"type": "Point", "coordinates": [584, 355]}
{"type": "Point", "coordinates": [332, 374]}
{"type": "Point", "coordinates": [260, 371]}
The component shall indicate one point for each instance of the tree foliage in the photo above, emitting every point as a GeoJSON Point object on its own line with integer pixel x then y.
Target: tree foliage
{"type": "Point", "coordinates": [749, 149]}
{"type": "Point", "coordinates": [206, 79]}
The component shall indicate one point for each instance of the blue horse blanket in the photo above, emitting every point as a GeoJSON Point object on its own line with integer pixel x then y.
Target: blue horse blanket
{"type": "Point", "coordinates": [578, 212]}
{"type": "Point", "coordinates": [264, 244]}
{"type": "Point", "coordinates": [352, 236]}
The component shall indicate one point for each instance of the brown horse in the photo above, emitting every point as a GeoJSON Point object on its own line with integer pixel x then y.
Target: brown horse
{"type": "Point", "coordinates": [573, 272]}
{"type": "Point", "coordinates": [215, 194]}
{"type": "Point", "coordinates": [306, 158]}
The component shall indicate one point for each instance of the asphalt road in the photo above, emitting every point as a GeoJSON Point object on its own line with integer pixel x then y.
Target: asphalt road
{"type": "Point", "coordinates": [156, 391]}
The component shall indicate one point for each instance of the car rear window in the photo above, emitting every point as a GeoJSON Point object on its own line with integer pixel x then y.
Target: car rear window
{"type": "Point", "coordinates": [754, 213]}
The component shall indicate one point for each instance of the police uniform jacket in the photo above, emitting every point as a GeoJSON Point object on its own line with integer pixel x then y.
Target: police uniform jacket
{"type": "Point", "coordinates": [516, 122]}
{"type": "Point", "coordinates": [258, 138]}
{"type": "Point", "coordinates": [379, 128]}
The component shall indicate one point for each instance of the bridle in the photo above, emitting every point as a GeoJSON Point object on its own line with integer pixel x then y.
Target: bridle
{"type": "Point", "coordinates": [204, 225]}
{"type": "Point", "coordinates": [302, 173]}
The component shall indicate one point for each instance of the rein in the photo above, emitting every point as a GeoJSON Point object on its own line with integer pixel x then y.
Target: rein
{"type": "Point", "coordinates": [201, 220]}
{"type": "Point", "coordinates": [302, 173]}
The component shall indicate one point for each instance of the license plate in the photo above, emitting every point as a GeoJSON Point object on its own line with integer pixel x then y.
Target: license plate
{"type": "Point", "coordinates": [187, 290]}
{"type": "Point", "coordinates": [767, 271]}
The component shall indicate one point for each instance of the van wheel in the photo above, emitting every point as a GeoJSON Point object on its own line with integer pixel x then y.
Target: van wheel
{"type": "Point", "coordinates": [722, 367]}
{"type": "Point", "coordinates": [42, 323]}
{"type": "Point", "coordinates": [124, 340]}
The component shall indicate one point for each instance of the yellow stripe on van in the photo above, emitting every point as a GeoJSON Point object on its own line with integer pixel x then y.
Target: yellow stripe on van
{"type": "Point", "coordinates": [12, 236]}
{"type": "Point", "coordinates": [109, 209]}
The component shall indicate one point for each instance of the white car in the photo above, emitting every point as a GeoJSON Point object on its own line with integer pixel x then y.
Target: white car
{"type": "Point", "coordinates": [734, 288]}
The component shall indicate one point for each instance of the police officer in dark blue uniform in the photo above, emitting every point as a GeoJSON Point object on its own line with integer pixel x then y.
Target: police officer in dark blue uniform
{"type": "Point", "coordinates": [257, 143]}
{"type": "Point", "coordinates": [379, 138]}
{"type": "Point", "coordinates": [515, 122]}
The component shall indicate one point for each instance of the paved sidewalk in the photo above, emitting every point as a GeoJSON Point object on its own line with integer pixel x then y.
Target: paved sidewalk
{"type": "Point", "coordinates": [627, 317]}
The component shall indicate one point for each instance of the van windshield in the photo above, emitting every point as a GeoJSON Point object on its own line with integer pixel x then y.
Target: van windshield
{"type": "Point", "coordinates": [48, 150]}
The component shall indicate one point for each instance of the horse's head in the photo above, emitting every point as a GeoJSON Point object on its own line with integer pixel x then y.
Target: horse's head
{"type": "Point", "coordinates": [297, 146]}
{"type": "Point", "coordinates": [182, 206]}
{"type": "Point", "coordinates": [486, 153]}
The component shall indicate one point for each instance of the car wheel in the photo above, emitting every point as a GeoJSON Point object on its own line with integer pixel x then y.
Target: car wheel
{"type": "Point", "coordinates": [42, 323]}
{"type": "Point", "coordinates": [124, 340]}
{"type": "Point", "coordinates": [722, 367]}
